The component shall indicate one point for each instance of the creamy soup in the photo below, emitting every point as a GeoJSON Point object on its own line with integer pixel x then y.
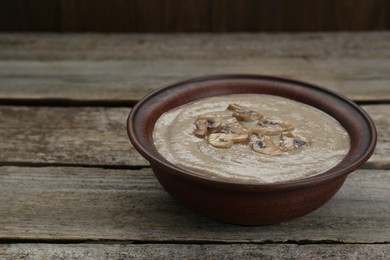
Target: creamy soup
{"type": "Point", "coordinates": [250, 138]}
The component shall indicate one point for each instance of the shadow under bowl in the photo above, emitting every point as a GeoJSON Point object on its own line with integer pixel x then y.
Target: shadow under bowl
{"type": "Point", "coordinates": [250, 204]}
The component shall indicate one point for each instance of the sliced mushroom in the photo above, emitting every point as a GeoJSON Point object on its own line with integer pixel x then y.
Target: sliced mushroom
{"type": "Point", "coordinates": [268, 126]}
{"type": "Point", "coordinates": [266, 146]}
{"type": "Point", "coordinates": [271, 136]}
{"type": "Point", "coordinates": [241, 138]}
{"type": "Point", "coordinates": [201, 128]}
{"type": "Point", "coordinates": [276, 123]}
{"type": "Point", "coordinates": [222, 140]}
{"type": "Point", "coordinates": [233, 128]}
{"type": "Point", "coordinates": [243, 113]}
{"type": "Point", "coordinates": [204, 125]}
{"type": "Point", "coordinates": [237, 107]}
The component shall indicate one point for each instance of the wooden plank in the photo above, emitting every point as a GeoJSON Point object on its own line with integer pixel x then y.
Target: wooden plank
{"type": "Point", "coordinates": [29, 15]}
{"type": "Point", "coordinates": [70, 203]}
{"type": "Point", "coordinates": [134, 15]}
{"type": "Point", "coordinates": [131, 80]}
{"type": "Point", "coordinates": [97, 136]}
{"type": "Point", "coordinates": [126, 67]}
{"type": "Point", "coordinates": [70, 135]}
{"type": "Point", "coordinates": [164, 251]}
{"type": "Point", "coordinates": [95, 47]}
{"type": "Point", "coordinates": [299, 15]}
{"type": "Point", "coordinates": [194, 15]}
{"type": "Point", "coordinates": [97, 16]}
{"type": "Point", "coordinates": [173, 16]}
{"type": "Point", "coordinates": [381, 157]}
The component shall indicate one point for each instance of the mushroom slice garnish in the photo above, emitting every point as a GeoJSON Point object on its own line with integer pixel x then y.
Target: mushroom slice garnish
{"type": "Point", "coordinates": [201, 128]}
{"type": "Point", "coordinates": [222, 140]}
{"type": "Point", "coordinates": [243, 113]}
{"type": "Point", "coordinates": [237, 107]}
{"type": "Point", "coordinates": [270, 136]}
{"type": "Point", "coordinates": [241, 138]}
{"type": "Point", "coordinates": [233, 128]}
{"type": "Point", "coordinates": [276, 123]}
{"type": "Point", "coordinates": [266, 146]}
{"type": "Point", "coordinates": [268, 126]}
{"type": "Point", "coordinates": [206, 124]}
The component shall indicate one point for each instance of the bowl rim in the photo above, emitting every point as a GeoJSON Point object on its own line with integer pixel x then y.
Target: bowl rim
{"type": "Point", "coordinates": [220, 183]}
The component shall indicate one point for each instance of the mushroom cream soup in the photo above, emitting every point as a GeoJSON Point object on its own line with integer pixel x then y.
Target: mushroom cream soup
{"type": "Point", "coordinates": [250, 138]}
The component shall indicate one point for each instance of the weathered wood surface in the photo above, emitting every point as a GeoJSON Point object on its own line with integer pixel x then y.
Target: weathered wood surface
{"type": "Point", "coordinates": [381, 117]}
{"type": "Point", "coordinates": [71, 135]}
{"type": "Point", "coordinates": [94, 67]}
{"type": "Point", "coordinates": [97, 136]}
{"type": "Point", "coordinates": [75, 203]}
{"type": "Point", "coordinates": [58, 182]}
{"type": "Point", "coordinates": [167, 251]}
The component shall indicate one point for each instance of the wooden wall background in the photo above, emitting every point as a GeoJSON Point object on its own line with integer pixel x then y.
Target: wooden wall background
{"type": "Point", "coordinates": [193, 15]}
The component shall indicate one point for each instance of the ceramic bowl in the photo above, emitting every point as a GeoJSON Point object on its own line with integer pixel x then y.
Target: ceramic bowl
{"type": "Point", "coordinates": [250, 204]}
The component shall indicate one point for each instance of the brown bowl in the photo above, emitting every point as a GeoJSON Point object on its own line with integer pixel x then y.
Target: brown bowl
{"type": "Point", "coordinates": [250, 204]}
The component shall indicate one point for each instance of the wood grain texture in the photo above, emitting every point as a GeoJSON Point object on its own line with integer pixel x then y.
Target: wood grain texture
{"type": "Point", "coordinates": [30, 15]}
{"type": "Point", "coordinates": [124, 213]}
{"type": "Point", "coordinates": [285, 15]}
{"type": "Point", "coordinates": [66, 136]}
{"type": "Point", "coordinates": [193, 15]}
{"type": "Point", "coordinates": [164, 251]}
{"type": "Point", "coordinates": [102, 16]}
{"type": "Point", "coordinates": [381, 157]}
{"type": "Point", "coordinates": [70, 203]}
{"type": "Point", "coordinates": [97, 136]}
{"type": "Point", "coordinates": [172, 16]}
{"type": "Point", "coordinates": [127, 67]}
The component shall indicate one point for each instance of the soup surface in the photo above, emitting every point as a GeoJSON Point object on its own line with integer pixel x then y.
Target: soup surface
{"type": "Point", "coordinates": [250, 138]}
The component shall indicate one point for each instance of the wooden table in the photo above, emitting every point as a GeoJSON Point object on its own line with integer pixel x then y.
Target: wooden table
{"type": "Point", "coordinates": [72, 186]}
